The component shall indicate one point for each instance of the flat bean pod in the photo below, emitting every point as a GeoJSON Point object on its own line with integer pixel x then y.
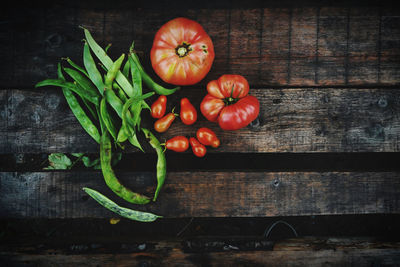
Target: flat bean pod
{"type": "Point", "coordinates": [125, 69]}
{"type": "Point", "coordinates": [149, 81]}
{"type": "Point", "coordinates": [105, 116]}
{"type": "Point", "coordinates": [113, 71]}
{"type": "Point", "coordinates": [128, 124]}
{"type": "Point", "coordinates": [107, 62]}
{"type": "Point", "coordinates": [114, 101]}
{"type": "Point", "coordinates": [76, 66]}
{"type": "Point", "coordinates": [109, 176]}
{"type": "Point", "coordinates": [137, 86]}
{"type": "Point", "coordinates": [71, 86]}
{"type": "Point", "coordinates": [77, 110]}
{"type": "Point", "coordinates": [90, 108]}
{"type": "Point", "coordinates": [91, 68]}
{"type": "Point", "coordinates": [83, 81]}
{"type": "Point", "coordinates": [120, 92]}
{"type": "Point", "coordinates": [161, 161]}
{"type": "Point", "coordinates": [136, 115]}
{"type": "Point", "coordinates": [124, 212]}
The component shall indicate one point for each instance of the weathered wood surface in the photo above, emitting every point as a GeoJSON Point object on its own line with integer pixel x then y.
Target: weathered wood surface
{"type": "Point", "coordinates": [291, 120]}
{"type": "Point", "coordinates": [269, 46]}
{"type": "Point", "coordinates": [292, 252]}
{"type": "Point", "coordinates": [205, 194]}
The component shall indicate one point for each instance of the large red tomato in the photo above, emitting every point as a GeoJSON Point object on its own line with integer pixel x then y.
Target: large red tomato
{"type": "Point", "coordinates": [228, 102]}
{"type": "Point", "coordinates": [182, 52]}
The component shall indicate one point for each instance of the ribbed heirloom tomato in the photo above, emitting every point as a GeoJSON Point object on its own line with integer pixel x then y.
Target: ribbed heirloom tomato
{"type": "Point", "coordinates": [182, 52]}
{"type": "Point", "coordinates": [228, 102]}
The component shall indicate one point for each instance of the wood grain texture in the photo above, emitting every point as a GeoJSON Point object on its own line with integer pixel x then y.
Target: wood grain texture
{"type": "Point", "coordinates": [204, 194]}
{"type": "Point", "coordinates": [291, 120]}
{"type": "Point", "coordinates": [292, 252]}
{"type": "Point", "coordinates": [269, 46]}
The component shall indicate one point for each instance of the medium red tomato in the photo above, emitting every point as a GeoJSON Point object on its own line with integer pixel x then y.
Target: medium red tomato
{"type": "Point", "coordinates": [229, 104]}
{"type": "Point", "coordinates": [199, 150]}
{"type": "Point", "coordinates": [182, 52]}
{"type": "Point", "coordinates": [207, 137]}
{"type": "Point", "coordinates": [158, 107]}
{"type": "Point", "coordinates": [188, 112]}
{"type": "Point", "coordinates": [177, 144]}
{"type": "Point", "coordinates": [162, 125]}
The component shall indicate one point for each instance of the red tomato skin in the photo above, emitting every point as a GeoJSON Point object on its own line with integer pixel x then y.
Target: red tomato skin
{"type": "Point", "coordinates": [229, 104]}
{"type": "Point", "coordinates": [229, 85]}
{"type": "Point", "coordinates": [207, 137]}
{"type": "Point", "coordinates": [199, 150]}
{"type": "Point", "coordinates": [240, 114]}
{"type": "Point", "coordinates": [194, 64]}
{"type": "Point", "coordinates": [188, 112]}
{"type": "Point", "coordinates": [159, 107]}
{"type": "Point", "coordinates": [210, 107]}
{"type": "Point", "coordinates": [163, 124]}
{"type": "Point", "coordinates": [177, 144]}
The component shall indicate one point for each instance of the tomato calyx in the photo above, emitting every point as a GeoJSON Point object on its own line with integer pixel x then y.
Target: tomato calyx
{"type": "Point", "coordinates": [231, 100]}
{"type": "Point", "coordinates": [183, 49]}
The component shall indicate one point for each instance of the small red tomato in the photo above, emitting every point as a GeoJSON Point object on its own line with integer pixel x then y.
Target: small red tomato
{"type": "Point", "coordinates": [161, 125]}
{"type": "Point", "coordinates": [199, 150]}
{"type": "Point", "coordinates": [188, 112]}
{"type": "Point", "coordinates": [177, 144]}
{"type": "Point", "coordinates": [158, 107]}
{"type": "Point", "coordinates": [207, 137]}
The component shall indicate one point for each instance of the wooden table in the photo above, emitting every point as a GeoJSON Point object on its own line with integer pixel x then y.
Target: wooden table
{"type": "Point", "coordinates": [326, 143]}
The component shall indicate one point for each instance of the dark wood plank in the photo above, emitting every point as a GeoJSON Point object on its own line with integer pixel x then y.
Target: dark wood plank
{"type": "Point", "coordinates": [332, 45]}
{"type": "Point", "coordinates": [270, 46]}
{"type": "Point", "coordinates": [205, 194]}
{"type": "Point", "coordinates": [291, 120]}
{"type": "Point", "coordinates": [294, 252]}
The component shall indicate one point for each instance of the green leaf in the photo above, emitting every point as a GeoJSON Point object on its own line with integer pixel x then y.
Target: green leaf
{"type": "Point", "coordinates": [77, 155]}
{"type": "Point", "coordinates": [58, 161]}
{"type": "Point", "coordinates": [90, 163]}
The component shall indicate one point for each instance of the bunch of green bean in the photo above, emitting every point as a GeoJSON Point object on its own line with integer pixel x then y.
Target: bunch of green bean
{"type": "Point", "coordinates": [120, 88]}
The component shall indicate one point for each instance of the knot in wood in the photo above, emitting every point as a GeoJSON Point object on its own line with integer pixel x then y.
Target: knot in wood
{"type": "Point", "coordinates": [276, 183]}
{"type": "Point", "coordinates": [382, 102]}
{"type": "Point", "coordinates": [54, 40]}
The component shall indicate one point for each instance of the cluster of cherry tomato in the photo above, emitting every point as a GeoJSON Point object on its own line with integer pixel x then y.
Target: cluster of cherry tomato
{"type": "Point", "coordinates": [188, 115]}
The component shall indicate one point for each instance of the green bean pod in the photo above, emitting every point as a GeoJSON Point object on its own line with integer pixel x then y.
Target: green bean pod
{"type": "Point", "coordinates": [161, 161]}
{"type": "Point", "coordinates": [128, 123]}
{"type": "Point", "coordinates": [77, 110]}
{"type": "Point", "coordinates": [122, 135]}
{"type": "Point", "coordinates": [125, 69]}
{"type": "Point", "coordinates": [71, 86]}
{"type": "Point", "coordinates": [120, 92]}
{"type": "Point", "coordinates": [90, 108]}
{"type": "Point", "coordinates": [123, 212]}
{"type": "Point", "coordinates": [91, 68]}
{"type": "Point", "coordinates": [82, 81]}
{"type": "Point", "coordinates": [137, 86]}
{"type": "Point", "coordinates": [76, 66]}
{"type": "Point", "coordinates": [136, 115]}
{"type": "Point", "coordinates": [113, 71]}
{"type": "Point", "coordinates": [109, 176]}
{"type": "Point", "coordinates": [114, 101]}
{"type": "Point", "coordinates": [107, 62]}
{"type": "Point", "coordinates": [149, 81]}
{"type": "Point", "coordinates": [105, 116]}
